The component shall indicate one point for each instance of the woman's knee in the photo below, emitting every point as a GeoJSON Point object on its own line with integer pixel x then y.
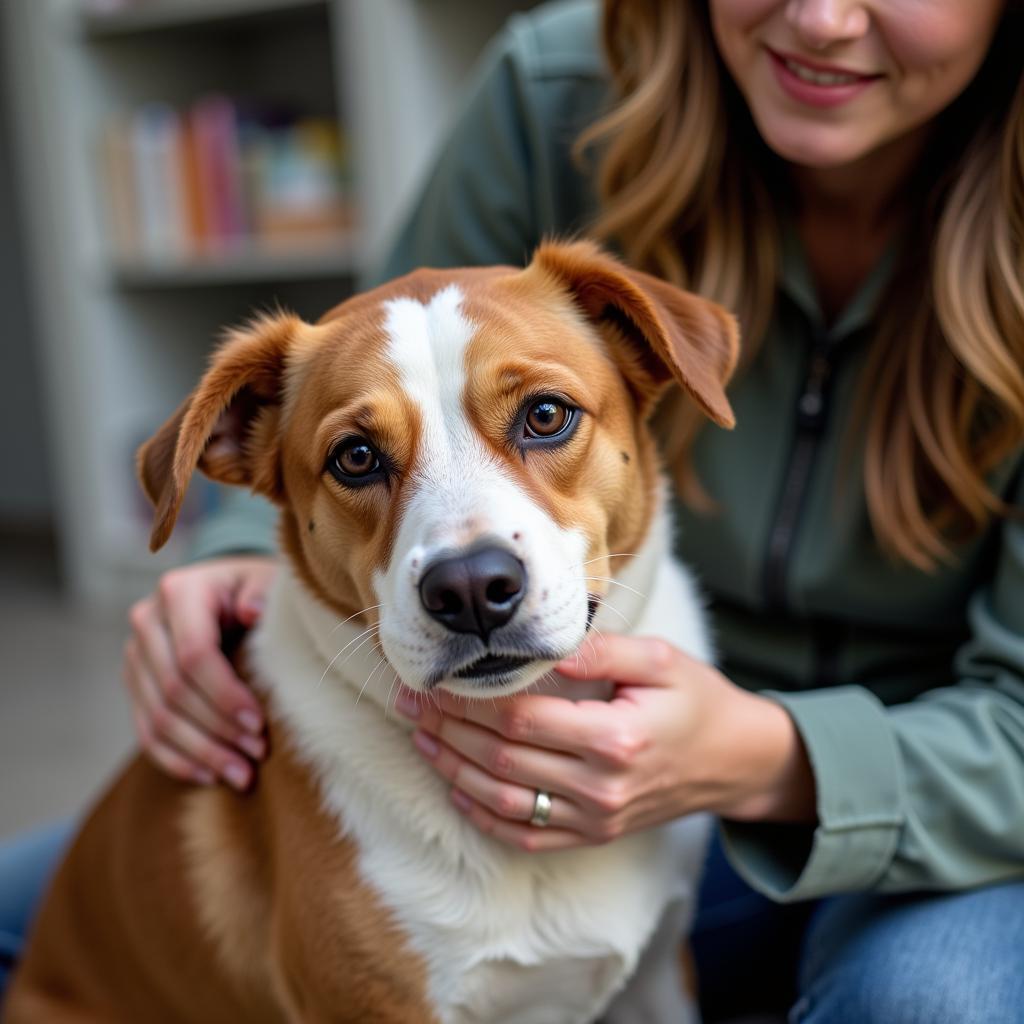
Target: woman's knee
{"type": "Point", "coordinates": [934, 959]}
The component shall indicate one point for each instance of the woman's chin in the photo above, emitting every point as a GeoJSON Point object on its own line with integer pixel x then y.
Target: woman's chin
{"type": "Point", "coordinates": [816, 147]}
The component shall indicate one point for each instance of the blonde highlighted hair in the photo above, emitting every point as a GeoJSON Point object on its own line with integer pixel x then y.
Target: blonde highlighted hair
{"type": "Point", "coordinates": [690, 192]}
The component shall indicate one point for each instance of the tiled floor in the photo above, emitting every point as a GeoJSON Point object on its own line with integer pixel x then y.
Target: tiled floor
{"type": "Point", "coordinates": [64, 722]}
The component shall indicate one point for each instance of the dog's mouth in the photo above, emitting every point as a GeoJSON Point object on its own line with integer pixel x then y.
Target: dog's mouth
{"type": "Point", "coordinates": [500, 669]}
{"type": "Point", "coordinates": [493, 665]}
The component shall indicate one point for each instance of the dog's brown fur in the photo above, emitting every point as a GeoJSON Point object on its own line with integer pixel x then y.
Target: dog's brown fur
{"type": "Point", "coordinates": [287, 930]}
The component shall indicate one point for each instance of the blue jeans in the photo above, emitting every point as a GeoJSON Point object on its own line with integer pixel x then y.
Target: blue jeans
{"type": "Point", "coordinates": [862, 959]}
{"type": "Point", "coordinates": [27, 863]}
{"type": "Point", "coordinates": [925, 958]}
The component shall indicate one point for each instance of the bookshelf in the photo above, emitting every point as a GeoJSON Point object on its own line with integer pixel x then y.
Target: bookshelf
{"type": "Point", "coordinates": [125, 333]}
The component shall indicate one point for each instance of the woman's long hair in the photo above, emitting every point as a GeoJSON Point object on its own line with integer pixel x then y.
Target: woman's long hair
{"type": "Point", "coordinates": [689, 191]}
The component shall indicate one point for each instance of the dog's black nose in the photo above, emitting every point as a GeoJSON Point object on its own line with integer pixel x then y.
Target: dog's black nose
{"type": "Point", "coordinates": [475, 592]}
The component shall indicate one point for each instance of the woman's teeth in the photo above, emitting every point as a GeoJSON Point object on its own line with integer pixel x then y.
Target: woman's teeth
{"type": "Point", "coordinates": [820, 77]}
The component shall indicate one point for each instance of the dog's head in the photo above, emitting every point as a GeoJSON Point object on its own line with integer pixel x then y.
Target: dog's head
{"type": "Point", "coordinates": [456, 454]}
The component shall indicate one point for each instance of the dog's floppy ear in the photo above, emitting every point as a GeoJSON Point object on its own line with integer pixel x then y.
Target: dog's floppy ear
{"type": "Point", "coordinates": [660, 332]}
{"type": "Point", "coordinates": [227, 427]}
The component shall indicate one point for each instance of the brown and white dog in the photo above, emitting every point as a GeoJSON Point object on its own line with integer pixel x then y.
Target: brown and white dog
{"type": "Point", "coordinates": [457, 456]}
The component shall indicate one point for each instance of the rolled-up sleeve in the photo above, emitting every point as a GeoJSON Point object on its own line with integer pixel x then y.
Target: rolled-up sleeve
{"type": "Point", "coordinates": [927, 795]}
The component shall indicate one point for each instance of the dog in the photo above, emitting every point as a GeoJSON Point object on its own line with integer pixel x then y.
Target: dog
{"type": "Point", "coordinates": [458, 456]}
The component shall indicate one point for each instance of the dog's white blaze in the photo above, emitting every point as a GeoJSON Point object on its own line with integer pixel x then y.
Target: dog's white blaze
{"type": "Point", "coordinates": [460, 493]}
{"type": "Point", "coordinates": [427, 344]}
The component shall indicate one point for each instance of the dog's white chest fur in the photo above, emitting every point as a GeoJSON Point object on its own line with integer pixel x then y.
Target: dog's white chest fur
{"type": "Point", "coordinates": [506, 937]}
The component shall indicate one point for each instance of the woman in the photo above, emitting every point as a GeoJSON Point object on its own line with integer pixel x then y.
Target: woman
{"type": "Point", "coordinates": [849, 176]}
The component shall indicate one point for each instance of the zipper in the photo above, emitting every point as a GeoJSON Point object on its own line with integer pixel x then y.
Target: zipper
{"type": "Point", "coordinates": [812, 408]}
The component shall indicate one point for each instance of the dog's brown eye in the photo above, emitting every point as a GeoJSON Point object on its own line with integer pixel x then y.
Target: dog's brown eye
{"type": "Point", "coordinates": [547, 418]}
{"type": "Point", "coordinates": [357, 459]}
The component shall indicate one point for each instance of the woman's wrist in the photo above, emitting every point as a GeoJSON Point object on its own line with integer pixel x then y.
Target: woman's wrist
{"type": "Point", "coordinates": [772, 775]}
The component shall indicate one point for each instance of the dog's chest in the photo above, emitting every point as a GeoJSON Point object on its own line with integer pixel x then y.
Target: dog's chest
{"type": "Point", "coordinates": [509, 939]}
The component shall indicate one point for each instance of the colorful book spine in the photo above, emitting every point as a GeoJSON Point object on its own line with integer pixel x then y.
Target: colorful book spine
{"type": "Point", "coordinates": [160, 188]}
{"type": "Point", "coordinates": [215, 128]}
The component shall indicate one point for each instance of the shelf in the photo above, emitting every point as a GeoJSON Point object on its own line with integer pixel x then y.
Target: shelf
{"type": "Point", "coordinates": [160, 15]}
{"type": "Point", "coordinates": [250, 266]}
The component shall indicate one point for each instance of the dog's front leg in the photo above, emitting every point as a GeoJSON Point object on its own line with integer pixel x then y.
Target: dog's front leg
{"type": "Point", "coordinates": [662, 990]}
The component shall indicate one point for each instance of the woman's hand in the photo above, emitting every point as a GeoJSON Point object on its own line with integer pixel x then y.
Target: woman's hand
{"type": "Point", "coordinates": [677, 737]}
{"type": "Point", "coordinates": [195, 718]}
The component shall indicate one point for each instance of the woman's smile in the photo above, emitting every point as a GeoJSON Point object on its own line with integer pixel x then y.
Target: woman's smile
{"type": "Point", "coordinates": [816, 84]}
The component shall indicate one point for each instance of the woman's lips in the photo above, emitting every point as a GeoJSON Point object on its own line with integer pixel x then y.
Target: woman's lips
{"type": "Point", "coordinates": [818, 85]}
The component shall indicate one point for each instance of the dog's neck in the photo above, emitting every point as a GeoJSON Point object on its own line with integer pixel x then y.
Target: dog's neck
{"type": "Point", "coordinates": [351, 656]}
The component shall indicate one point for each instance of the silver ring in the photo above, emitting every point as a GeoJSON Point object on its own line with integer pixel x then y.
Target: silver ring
{"type": "Point", "coordinates": [541, 809]}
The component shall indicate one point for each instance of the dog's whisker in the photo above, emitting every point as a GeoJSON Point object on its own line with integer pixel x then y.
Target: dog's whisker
{"type": "Point", "coordinates": [356, 614]}
{"type": "Point", "coordinates": [358, 636]}
{"type": "Point", "coordinates": [376, 668]}
{"type": "Point", "coordinates": [589, 640]}
{"type": "Point", "coordinates": [617, 583]}
{"type": "Point", "coordinates": [569, 566]}
{"type": "Point", "coordinates": [330, 664]}
{"type": "Point", "coordinates": [357, 649]}
{"type": "Point", "coordinates": [601, 603]}
{"type": "Point", "coordinates": [617, 554]}
{"type": "Point", "coordinates": [388, 706]}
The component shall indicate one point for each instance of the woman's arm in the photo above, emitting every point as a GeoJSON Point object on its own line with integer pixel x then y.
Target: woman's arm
{"type": "Point", "coordinates": [923, 795]}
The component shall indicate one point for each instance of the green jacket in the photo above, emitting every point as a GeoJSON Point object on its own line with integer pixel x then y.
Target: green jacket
{"type": "Point", "coordinates": [907, 687]}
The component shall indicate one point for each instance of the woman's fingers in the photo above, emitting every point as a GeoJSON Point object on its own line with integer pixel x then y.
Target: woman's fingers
{"type": "Point", "coordinates": [248, 606]}
{"type": "Point", "coordinates": [552, 723]}
{"type": "Point", "coordinates": [509, 801]}
{"type": "Point", "coordinates": [172, 739]}
{"type": "Point", "coordinates": [637, 660]}
{"type": "Point", "coordinates": [166, 758]}
{"type": "Point", "coordinates": [516, 762]}
{"type": "Point", "coordinates": [599, 732]}
{"type": "Point", "coordinates": [195, 717]}
{"type": "Point", "coordinates": [505, 776]}
{"type": "Point", "coordinates": [192, 614]}
{"type": "Point", "coordinates": [592, 788]}
{"type": "Point", "coordinates": [154, 644]}
{"type": "Point", "coordinates": [523, 837]}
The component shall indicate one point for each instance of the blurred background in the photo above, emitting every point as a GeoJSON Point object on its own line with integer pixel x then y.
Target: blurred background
{"type": "Point", "coordinates": [166, 167]}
